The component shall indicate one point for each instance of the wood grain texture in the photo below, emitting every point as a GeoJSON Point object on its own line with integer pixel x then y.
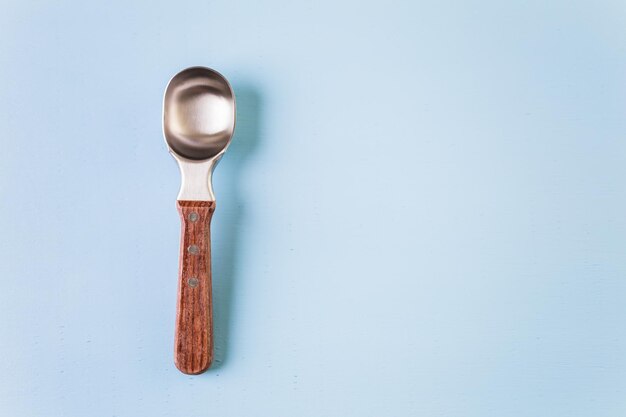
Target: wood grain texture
{"type": "Point", "coordinates": [193, 340]}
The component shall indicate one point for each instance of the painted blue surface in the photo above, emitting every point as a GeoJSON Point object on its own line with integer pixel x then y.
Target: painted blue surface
{"type": "Point", "coordinates": [422, 213]}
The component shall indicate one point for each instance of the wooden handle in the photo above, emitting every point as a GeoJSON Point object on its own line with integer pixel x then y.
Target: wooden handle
{"type": "Point", "coordinates": [193, 345]}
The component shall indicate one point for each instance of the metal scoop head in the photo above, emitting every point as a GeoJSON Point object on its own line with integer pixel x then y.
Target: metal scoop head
{"type": "Point", "coordinates": [198, 114]}
{"type": "Point", "coordinates": [198, 125]}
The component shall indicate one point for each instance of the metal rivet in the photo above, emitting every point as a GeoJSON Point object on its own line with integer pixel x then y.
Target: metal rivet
{"type": "Point", "coordinates": [193, 249]}
{"type": "Point", "coordinates": [193, 217]}
{"type": "Point", "coordinates": [193, 282]}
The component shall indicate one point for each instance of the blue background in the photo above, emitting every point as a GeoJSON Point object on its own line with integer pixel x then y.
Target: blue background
{"type": "Point", "coordinates": [423, 212]}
